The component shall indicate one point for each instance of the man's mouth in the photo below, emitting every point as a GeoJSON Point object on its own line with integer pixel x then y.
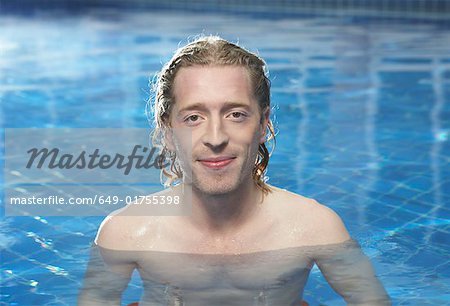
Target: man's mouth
{"type": "Point", "coordinates": [216, 162]}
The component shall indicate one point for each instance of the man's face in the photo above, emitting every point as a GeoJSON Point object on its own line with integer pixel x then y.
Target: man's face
{"type": "Point", "coordinates": [215, 104]}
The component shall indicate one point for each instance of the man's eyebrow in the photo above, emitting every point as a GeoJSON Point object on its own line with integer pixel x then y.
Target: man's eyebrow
{"type": "Point", "coordinates": [195, 106]}
{"type": "Point", "coordinates": [229, 105]}
{"type": "Point", "coordinates": [202, 106]}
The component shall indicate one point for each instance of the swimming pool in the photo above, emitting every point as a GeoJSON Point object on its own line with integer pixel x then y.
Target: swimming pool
{"type": "Point", "coordinates": [361, 107]}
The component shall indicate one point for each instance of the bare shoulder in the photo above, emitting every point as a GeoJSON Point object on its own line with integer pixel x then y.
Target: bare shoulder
{"type": "Point", "coordinates": [319, 223]}
{"type": "Point", "coordinates": [117, 231]}
{"type": "Point", "coordinates": [127, 228]}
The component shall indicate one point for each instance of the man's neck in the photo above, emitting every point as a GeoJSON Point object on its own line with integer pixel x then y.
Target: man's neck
{"type": "Point", "coordinates": [224, 214]}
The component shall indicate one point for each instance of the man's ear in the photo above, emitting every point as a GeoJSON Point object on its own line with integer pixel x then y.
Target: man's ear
{"type": "Point", "coordinates": [264, 123]}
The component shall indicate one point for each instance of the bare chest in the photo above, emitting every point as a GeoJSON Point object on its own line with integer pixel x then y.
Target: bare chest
{"type": "Point", "coordinates": [261, 237]}
{"type": "Point", "coordinates": [250, 272]}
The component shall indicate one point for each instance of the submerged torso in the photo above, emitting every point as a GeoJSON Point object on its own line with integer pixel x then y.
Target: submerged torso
{"type": "Point", "coordinates": [274, 277]}
{"type": "Point", "coordinates": [264, 278]}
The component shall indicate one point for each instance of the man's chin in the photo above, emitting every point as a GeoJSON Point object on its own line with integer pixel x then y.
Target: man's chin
{"type": "Point", "coordinates": [215, 189]}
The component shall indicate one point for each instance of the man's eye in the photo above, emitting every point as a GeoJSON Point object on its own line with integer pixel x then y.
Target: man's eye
{"type": "Point", "coordinates": [192, 118]}
{"type": "Point", "coordinates": [238, 115]}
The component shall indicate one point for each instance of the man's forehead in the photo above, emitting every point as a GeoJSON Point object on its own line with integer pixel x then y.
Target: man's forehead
{"type": "Point", "coordinates": [223, 83]}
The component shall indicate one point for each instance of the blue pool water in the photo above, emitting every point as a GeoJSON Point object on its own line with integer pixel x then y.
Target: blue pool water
{"type": "Point", "coordinates": [362, 111]}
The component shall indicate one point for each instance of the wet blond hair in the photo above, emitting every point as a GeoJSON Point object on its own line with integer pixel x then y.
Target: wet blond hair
{"type": "Point", "coordinates": [207, 51]}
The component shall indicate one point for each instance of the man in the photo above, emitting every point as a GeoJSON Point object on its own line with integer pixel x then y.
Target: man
{"type": "Point", "coordinates": [245, 242]}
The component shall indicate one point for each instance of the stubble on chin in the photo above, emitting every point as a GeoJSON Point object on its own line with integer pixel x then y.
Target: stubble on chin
{"type": "Point", "coordinates": [214, 184]}
{"type": "Point", "coordinates": [221, 183]}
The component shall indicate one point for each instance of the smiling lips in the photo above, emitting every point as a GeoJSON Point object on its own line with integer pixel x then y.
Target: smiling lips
{"type": "Point", "coordinates": [216, 162]}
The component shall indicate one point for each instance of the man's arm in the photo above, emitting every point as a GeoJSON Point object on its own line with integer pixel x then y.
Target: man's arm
{"type": "Point", "coordinates": [109, 270]}
{"type": "Point", "coordinates": [350, 273]}
{"type": "Point", "coordinates": [344, 265]}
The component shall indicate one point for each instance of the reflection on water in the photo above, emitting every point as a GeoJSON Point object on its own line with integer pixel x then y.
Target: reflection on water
{"type": "Point", "coordinates": [362, 110]}
{"type": "Point", "coordinates": [275, 277]}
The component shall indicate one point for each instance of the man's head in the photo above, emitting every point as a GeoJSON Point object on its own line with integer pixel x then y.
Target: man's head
{"type": "Point", "coordinates": [214, 58]}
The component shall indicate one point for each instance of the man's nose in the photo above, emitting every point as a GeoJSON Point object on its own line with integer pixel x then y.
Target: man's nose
{"type": "Point", "coordinates": [215, 135]}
